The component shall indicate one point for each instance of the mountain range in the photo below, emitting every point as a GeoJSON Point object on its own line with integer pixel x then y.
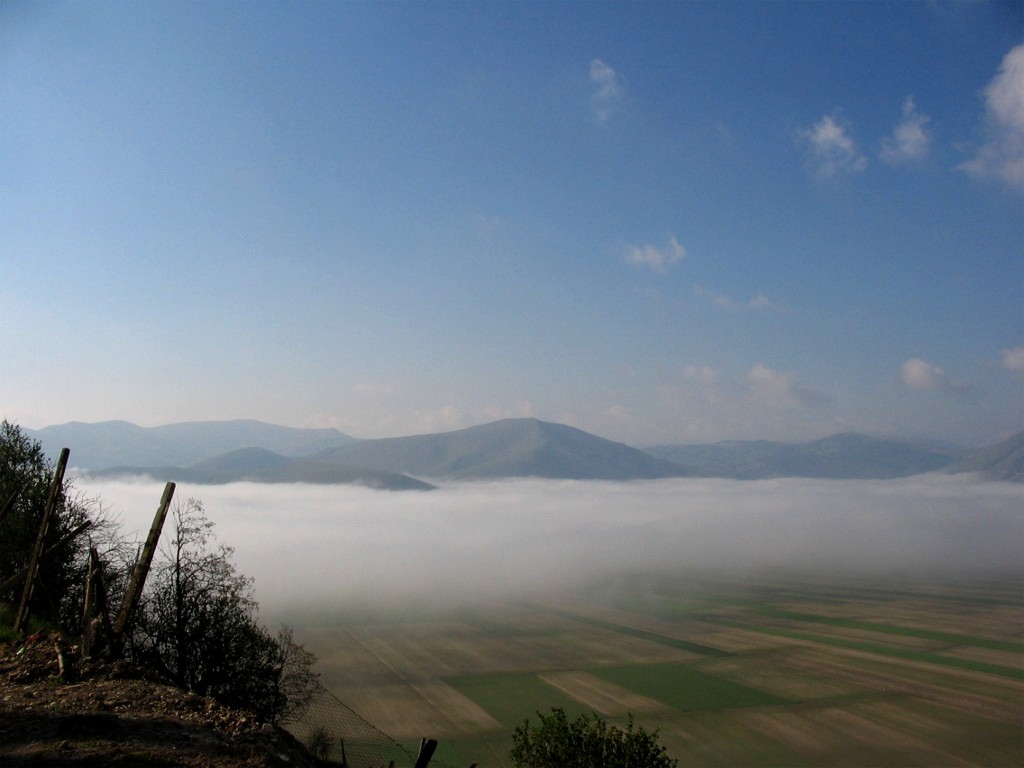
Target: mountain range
{"type": "Point", "coordinates": [507, 448]}
{"type": "Point", "coordinates": [121, 443]}
{"type": "Point", "coordinates": [843, 456]}
{"type": "Point", "coordinates": [1003, 461]}
{"type": "Point", "coordinates": [226, 451]}
{"type": "Point", "coordinates": [262, 466]}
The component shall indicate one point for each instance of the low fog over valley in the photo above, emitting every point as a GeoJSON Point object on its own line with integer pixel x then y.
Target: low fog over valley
{"type": "Point", "coordinates": [331, 548]}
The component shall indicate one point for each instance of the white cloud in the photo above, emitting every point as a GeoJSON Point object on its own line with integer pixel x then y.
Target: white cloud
{"type": "Point", "coordinates": [775, 388]}
{"type": "Point", "coordinates": [445, 418]}
{"type": "Point", "coordinates": [654, 257]}
{"type": "Point", "coordinates": [1002, 156]}
{"type": "Point", "coordinates": [831, 151]}
{"type": "Point", "coordinates": [613, 420]}
{"type": "Point", "coordinates": [1013, 359]}
{"type": "Point", "coordinates": [910, 140]}
{"type": "Point", "coordinates": [770, 386]}
{"type": "Point", "coordinates": [759, 303]}
{"type": "Point", "coordinates": [921, 375]}
{"type": "Point", "coordinates": [609, 90]}
{"type": "Point", "coordinates": [703, 403]}
{"type": "Point", "coordinates": [450, 417]}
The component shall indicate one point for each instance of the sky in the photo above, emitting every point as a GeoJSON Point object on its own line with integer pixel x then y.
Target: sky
{"type": "Point", "coordinates": [384, 550]}
{"type": "Point", "coordinates": [662, 222]}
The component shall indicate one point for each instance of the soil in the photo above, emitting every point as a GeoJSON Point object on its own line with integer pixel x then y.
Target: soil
{"type": "Point", "coordinates": [57, 709]}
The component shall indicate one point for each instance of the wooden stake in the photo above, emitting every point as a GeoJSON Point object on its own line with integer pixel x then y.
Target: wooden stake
{"type": "Point", "coordinates": [89, 605]}
{"type": "Point", "coordinates": [101, 596]}
{"type": "Point", "coordinates": [139, 573]}
{"type": "Point", "coordinates": [427, 747]}
{"type": "Point", "coordinates": [61, 663]}
{"type": "Point", "coordinates": [37, 550]}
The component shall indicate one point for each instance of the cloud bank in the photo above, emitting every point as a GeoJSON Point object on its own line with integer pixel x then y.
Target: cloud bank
{"type": "Point", "coordinates": [1002, 156]}
{"type": "Point", "coordinates": [329, 547]}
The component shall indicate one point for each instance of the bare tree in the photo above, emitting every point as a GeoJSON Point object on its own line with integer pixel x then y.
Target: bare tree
{"type": "Point", "coordinates": [197, 627]}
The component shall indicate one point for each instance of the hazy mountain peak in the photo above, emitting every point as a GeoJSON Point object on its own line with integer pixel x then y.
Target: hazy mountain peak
{"type": "Point", "coordinates": [525, 447]}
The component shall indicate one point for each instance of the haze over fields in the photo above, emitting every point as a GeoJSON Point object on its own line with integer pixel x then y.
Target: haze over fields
{"type": "Point", "coordinates": [337, 548]}
{"type": "Point", "coordinates": [660, 223]}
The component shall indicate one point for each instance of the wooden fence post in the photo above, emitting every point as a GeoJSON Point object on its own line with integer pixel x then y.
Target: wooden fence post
{"type": "Point", "coordinates": [139, 573]}
{"type": "Point", "coordinates": [37, 550]}
{"type": "Point", "coordinates": [89, 608]}
{"type": "Point", "coordinates": [427, 747]}
{"type": "Point", "coordinates": [95, 598]}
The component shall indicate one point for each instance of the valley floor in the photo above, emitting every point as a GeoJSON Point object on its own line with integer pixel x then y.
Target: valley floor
{"type": "Point", "coordinates": [768, 671]}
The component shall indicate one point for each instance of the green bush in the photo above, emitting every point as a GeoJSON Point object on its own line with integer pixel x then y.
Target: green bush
{"type": "Point", "coordinates": [586, 742]}
{"type": "Point", "coordinates": [25, 479]}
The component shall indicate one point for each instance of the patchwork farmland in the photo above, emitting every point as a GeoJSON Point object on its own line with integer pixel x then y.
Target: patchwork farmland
{"type": "Point", "coordinates": [764, 672]}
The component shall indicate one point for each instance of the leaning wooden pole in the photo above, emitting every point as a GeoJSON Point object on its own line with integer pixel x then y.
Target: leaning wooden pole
{"type": "Point", "coordinates": [89, 607]}
{"type": "Point", "coordinates": [138, 579]}
{"type": "Point", "coordinates": [427, 748]}
{"type": "Point", "coordinates": [37, 550]}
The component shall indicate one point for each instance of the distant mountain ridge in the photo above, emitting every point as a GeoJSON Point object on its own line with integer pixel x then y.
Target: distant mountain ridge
{"type": "Point", "coordinates": [258, 465]}
{"type": "Point", "coordinates": [507, 448]}
{"type": "Point", "coordinates": [218, 452]}
{"type": "Point", "coordinates": [1003, 461]}
{"type": "Point", "coordinates": [842, 456]}
{"type": "Point", "coordinates": [120, 443]}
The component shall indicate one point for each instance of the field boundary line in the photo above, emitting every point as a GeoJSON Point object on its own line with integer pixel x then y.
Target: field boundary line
{"type": "Point", "coordinates": [588, 681]}
{"type": "Point", "coordinates": [414, 686]}
{"type": "Point", "coordinates": [922, 657]}
{"type": "Point", "coordinates": [889, 629]}
{"type": "Point", "coordinates": [892, 684]}
{"type": "Point", "coordinates": [642, 634]}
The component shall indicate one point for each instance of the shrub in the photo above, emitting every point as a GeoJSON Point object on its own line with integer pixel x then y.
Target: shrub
{"type": "Point", "coordinates": [197, 628]}
{"type": "Point", "coordinates": [587, 742]}
{"type": "Point", "coordinates": [25, 479]}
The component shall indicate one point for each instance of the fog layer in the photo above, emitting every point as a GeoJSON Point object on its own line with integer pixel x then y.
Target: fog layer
{"type": "Point", "coordinates": [329, 546]}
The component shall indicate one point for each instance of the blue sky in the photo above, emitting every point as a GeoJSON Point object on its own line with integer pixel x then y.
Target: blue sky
{"type": "Point", "coordinates": [677, 222]}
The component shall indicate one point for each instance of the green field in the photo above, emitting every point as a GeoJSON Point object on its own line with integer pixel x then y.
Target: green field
{"type": "Point", "coordinates": [779, 671]}
{"type": "Point", "coordinates": [510, 697]}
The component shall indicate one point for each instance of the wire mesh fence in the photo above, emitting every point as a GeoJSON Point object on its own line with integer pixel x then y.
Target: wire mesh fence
{"type": "Point", "coordinates": [336, 734]}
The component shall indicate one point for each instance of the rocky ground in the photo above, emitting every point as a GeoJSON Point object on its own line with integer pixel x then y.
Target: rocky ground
{"type": "Point", "coordinates": [58, 710]}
